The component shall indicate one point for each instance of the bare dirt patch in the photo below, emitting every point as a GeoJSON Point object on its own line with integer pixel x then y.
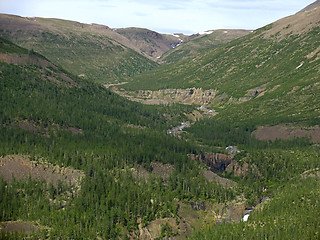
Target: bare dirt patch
{"type": "Point", "coordinates": [157, 228]}
{"type": "Point", "coordinates": [158, 169]}
{"type": "Point", "coordinates": [162, 170]}
{"type": "Point", "coordinates": [21, 227]}
{"type": "Point", "coordinates": [20, 167]}
{"type": "Point", "coordinates": [283, 132]}
{"type": "Point", "coordinates": [211, 176]}
{"type": "Point", "coordinates": [43, 131]}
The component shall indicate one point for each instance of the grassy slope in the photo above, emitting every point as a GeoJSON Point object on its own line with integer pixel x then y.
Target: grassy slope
{"type": "Point", "coordinates": [247, 62]}
{"type": "Point", "coordinates": [201, 44]}
{"type": "Point", "coordinates": [95, 51]}
{"type": "Point", "coordinates": [291, 212]}
{"type": "Point", "coordinates": [283, 56]}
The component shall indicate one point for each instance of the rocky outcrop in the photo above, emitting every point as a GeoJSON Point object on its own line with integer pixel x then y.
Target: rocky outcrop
{"type": "Point", "coordinates": [154, 35]}
{"type": "Point", "coordinates": [239, 170]}
{"type": "Point", "coordinates": [217, 162]}
{"type": "Point", "coordinates": [189, 96]}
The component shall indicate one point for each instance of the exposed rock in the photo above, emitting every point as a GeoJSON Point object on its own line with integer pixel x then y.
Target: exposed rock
{"type": "Point", "coordinates": [217, 162]}
{"type": "Point", "coordinates": [20, 167]}
{"type": "Point", "coordinates": [154, 35]}
{"type": "Point", "coordinates": [155, 229]}
{"type": "Point", "coordinates": [197, 206]}
{"type": "Point", "coordinates": [239, 170]}
{"type": "Point", "coordinates": [211, 176]}
{"type": "Point", "coordinates": [188, 96]}
{"type": "Point", "coordinates": [158, 169]}
{"type": "Point", "coordinates": [251, 93]}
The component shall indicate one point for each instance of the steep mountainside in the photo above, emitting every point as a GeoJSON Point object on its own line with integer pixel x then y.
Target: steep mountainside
{"type": "Point", "coordinates": [274, 64]}
{"type": "Point", "coordinates": [60, 129]}
{"type": "Point", "coordinates": [78, 161]}
{"type": "Point", "coordinates": [92, 51]}
{"type": "Point", "coordinates": [206, 41]}
{"type": "Point", "coordinates": [311, 6]}
{"type": "Point", "coordinates": [151, 43]}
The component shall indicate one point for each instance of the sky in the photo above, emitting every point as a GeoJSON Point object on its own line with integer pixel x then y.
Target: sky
{"type": "Point", "coordinates": [164, 16]}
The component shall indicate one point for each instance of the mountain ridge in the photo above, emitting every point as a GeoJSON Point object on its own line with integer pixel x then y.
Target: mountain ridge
{"type": "Point", "coordinates": [311, 6]}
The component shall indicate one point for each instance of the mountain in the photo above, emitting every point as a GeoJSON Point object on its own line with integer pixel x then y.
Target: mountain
{"type": "Point", "coordinates": [92, 51]}
{"type": "Point", "coordinates": [311, 6]}
{"type": "Point", "coordinates": [151, 43]}
{"type": "Point", "coordinates": [74, 154]}
{"type": "Point", "coordinates": [279, 61]}
{"type": "Point", "coordinates": [201, 42]}
{"type": "Point", "coordinates": [78, 161]}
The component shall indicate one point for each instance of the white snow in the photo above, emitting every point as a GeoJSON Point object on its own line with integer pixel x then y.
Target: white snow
{"type": "Point", "coordinates": [245, 217]}
{"type": "Point", "coordinates": [177, 36]}
{"type": "Point", "coordinates": [225, 31]}
{"type": "Point", "coordinates": [300, 65]}
{"type": "Point", "coordinates": [205, 32]}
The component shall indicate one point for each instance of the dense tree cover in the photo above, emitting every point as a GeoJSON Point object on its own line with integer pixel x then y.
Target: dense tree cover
{"type": "Point", "coordinates": [46, 113]}
{"type": "Point", "coordinates": [224, 132]}
{"type": "Point", "coordinates": [292, 213]}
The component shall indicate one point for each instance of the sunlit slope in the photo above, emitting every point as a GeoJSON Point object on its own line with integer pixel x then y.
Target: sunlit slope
{"type": "Point", "coordinates": [92, 51]}
{"type": "Point", "coordinates": [284, 53]}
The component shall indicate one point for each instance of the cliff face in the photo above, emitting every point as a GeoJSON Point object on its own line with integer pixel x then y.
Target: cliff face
{"type": "Point", "coordinates": [219, 163]}
{"type": "Point", "coordinates": [188, 96]}
{"type": "Point", "coordinates": [216, 161]}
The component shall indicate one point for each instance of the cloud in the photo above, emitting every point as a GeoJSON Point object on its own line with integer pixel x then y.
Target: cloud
{"type": "Point", "coordinates": [163, 16]}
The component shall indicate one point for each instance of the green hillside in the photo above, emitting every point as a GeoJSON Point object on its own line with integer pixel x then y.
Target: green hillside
{"type": "Point", "coordinates": [92, 51]}
{"type": "Point", "coordinates": [262, 57]}
{"type": "Point", "coordinates": [202, 43]}
{"type": "Point", "coordinates": [49, 115]}
{"type": "Point", "coordinates": [273, 70]}
{"type": "Point", "coordinates": [78, 161]}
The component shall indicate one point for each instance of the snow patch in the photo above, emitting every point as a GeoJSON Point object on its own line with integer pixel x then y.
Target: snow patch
{"type": "Point", "coordinates": [225, 32]}
{"type": "Point", "coordinates": [177, 36]}
{"type": "Point", "coordinates": [205, 32]}
{"type": "Point", "coordinates": [245, 217]}
{"type": "Point", "coordinates": [300, 65]}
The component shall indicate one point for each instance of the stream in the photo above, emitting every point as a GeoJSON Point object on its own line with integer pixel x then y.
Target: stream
{"type": "Point", "coordinates": [175, 130]}
{"type": "Point", "coordinates": [246, 216]}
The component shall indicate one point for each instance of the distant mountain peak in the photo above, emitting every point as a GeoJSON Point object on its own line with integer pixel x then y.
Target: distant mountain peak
{"type": "Point", "coordinates": [311, 6]}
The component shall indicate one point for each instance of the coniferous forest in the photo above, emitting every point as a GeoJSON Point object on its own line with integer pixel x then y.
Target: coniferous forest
{"type": "Point", "coordinates": [79, 161]}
